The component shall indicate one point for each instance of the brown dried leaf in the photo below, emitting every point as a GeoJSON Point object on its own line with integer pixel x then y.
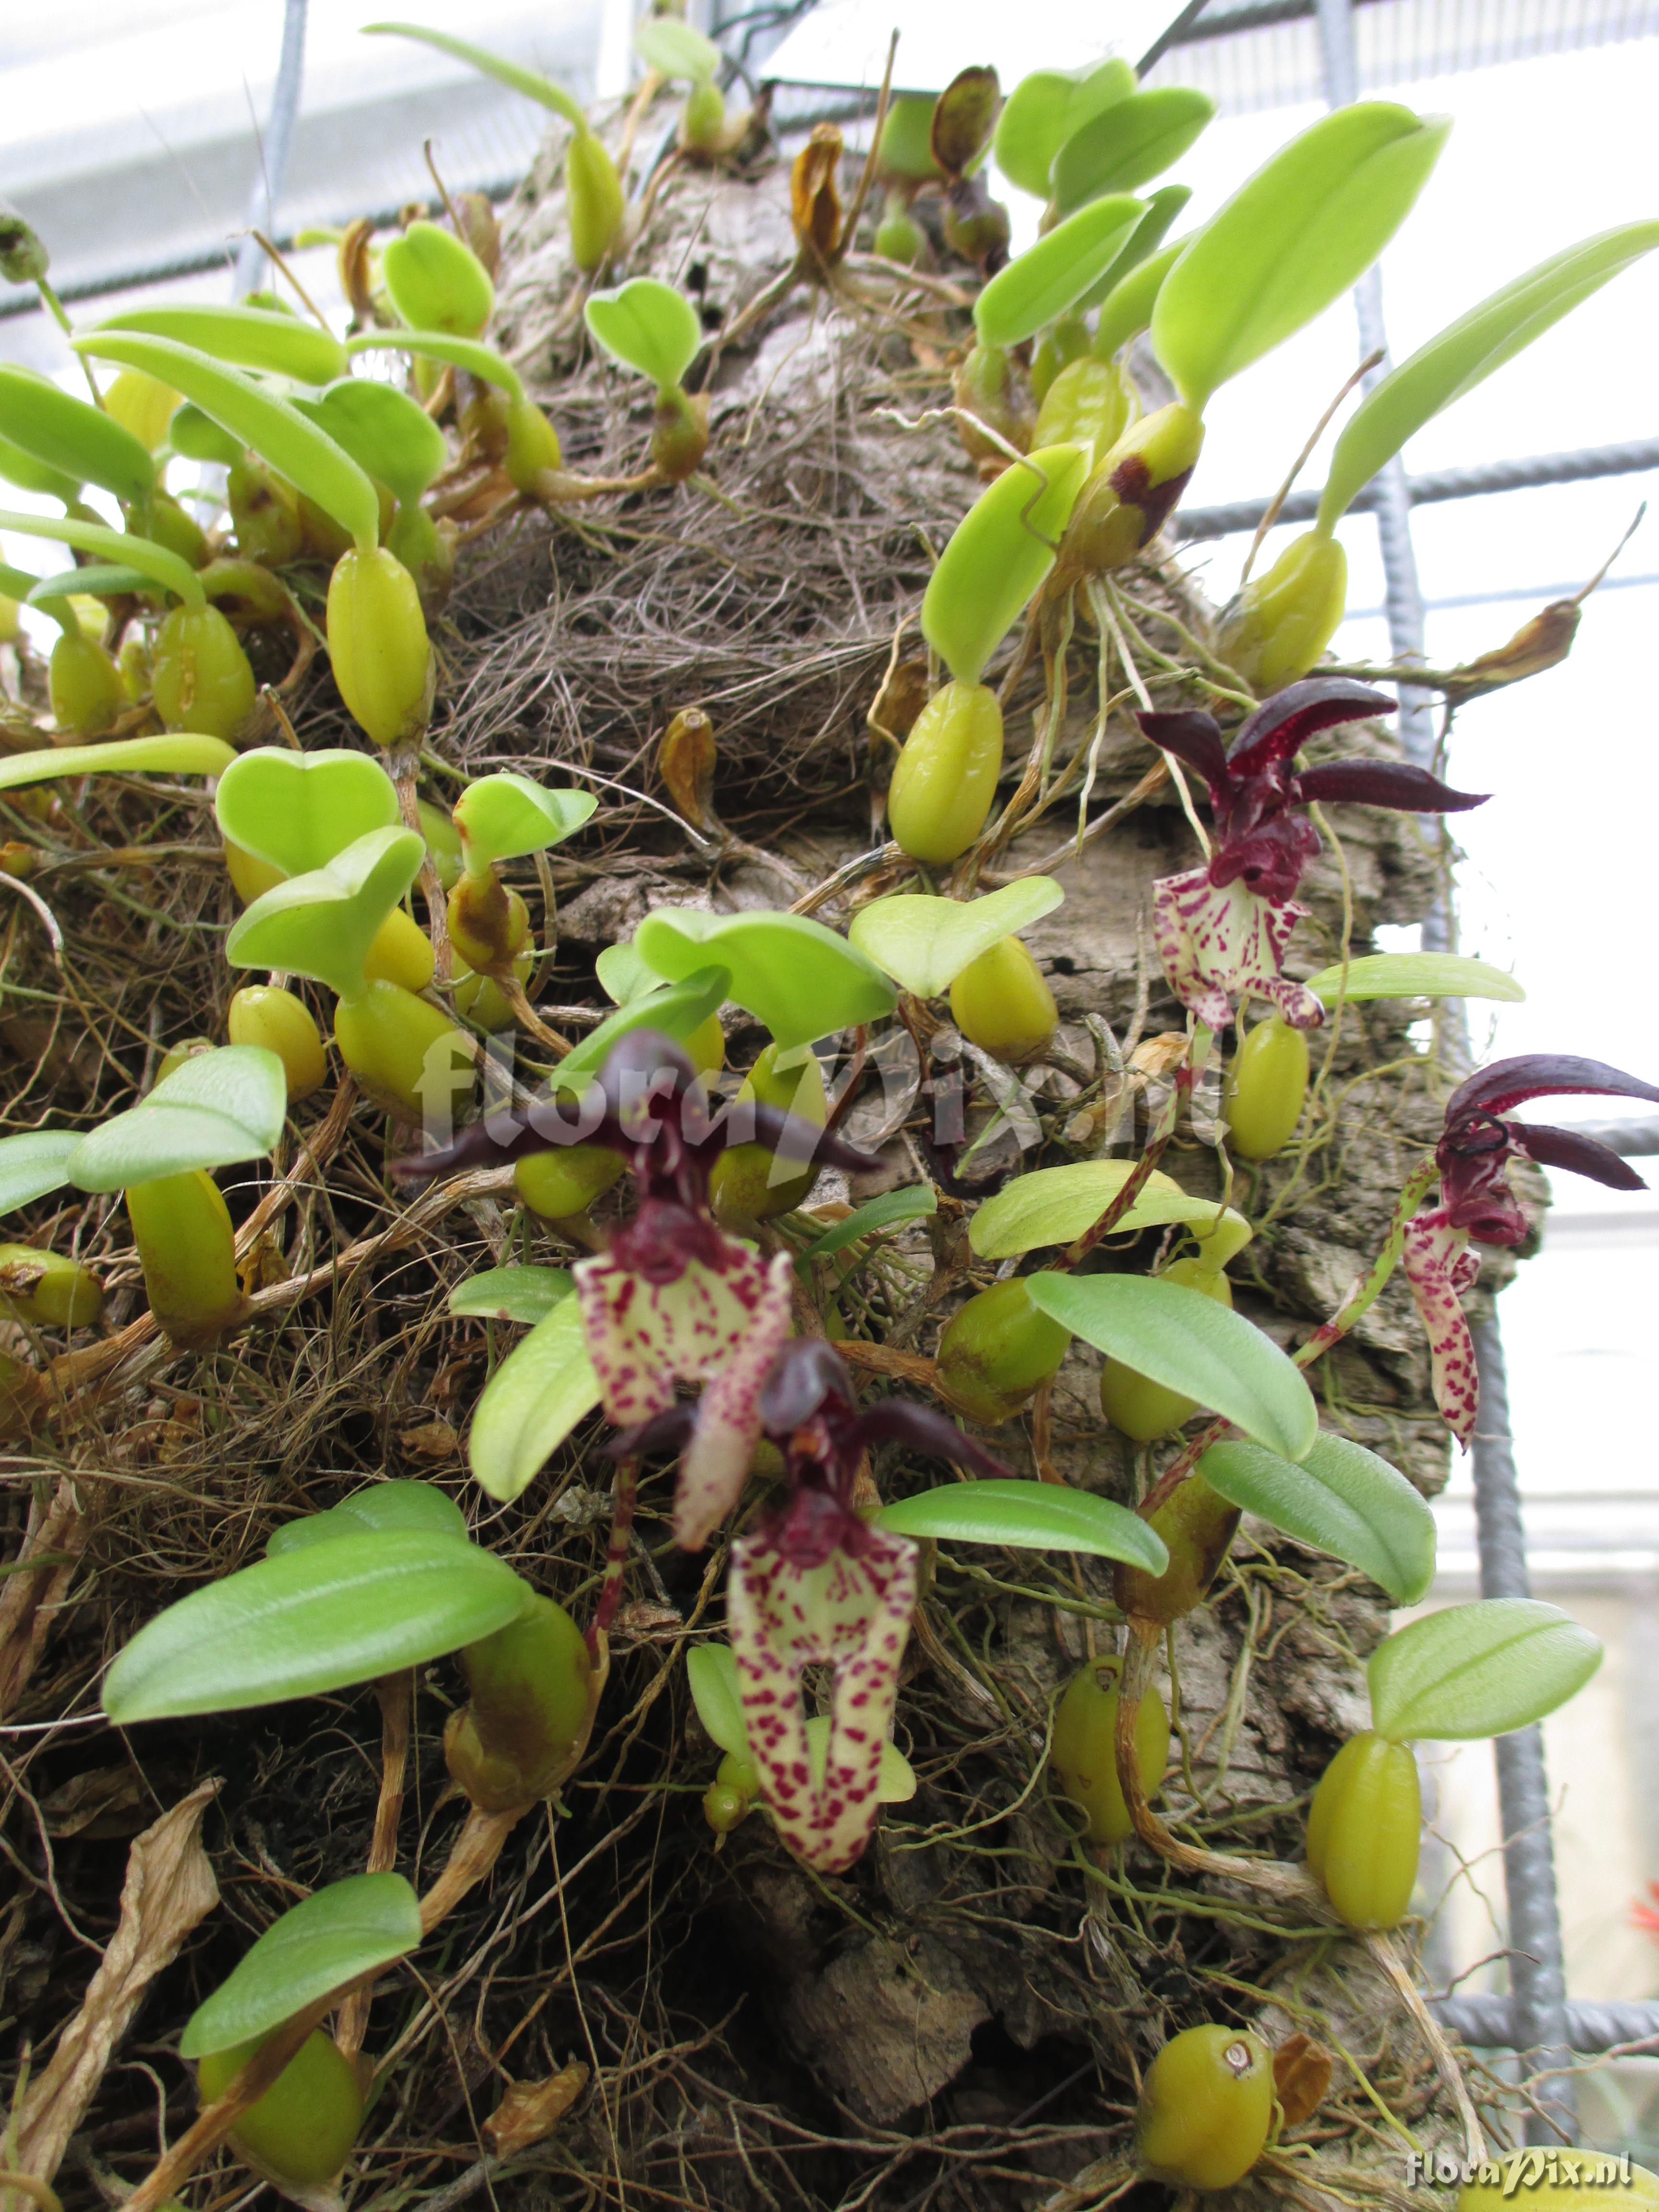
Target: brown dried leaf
{"type": "Point", "coordinates": [902, 695]}
{"type": "Point", "coordinates": [963, 118]}
{"type": "Point", "coordinates": [168, 1891]}
{"type": "Point", "coordinates": [352, 260]}
{"type": "Point", "coordinates": [1158, 1055]}
{"type": "Point", "coordinates": [814, 194]}
{"type": "Point", "coordinates": [532, 2110]}
{"type": "Point", "coordinates": [686, 759]}
{"type": "Point", "coordinates": [1301, 2076]}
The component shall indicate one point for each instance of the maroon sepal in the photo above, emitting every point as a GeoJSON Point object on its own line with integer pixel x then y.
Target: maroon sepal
{"type": "Point", "coordinates": [1581, 1155]}
{"type": "Point", "coordinates": [897, 1420]}
{"type": "Point", "coordinates": [1385, 783]}
{"type": "Point", "coordinates": [1192, 737]}
{"type": "Point", "coordinates": [1277, 731]}
{"type": "Point", "coordinates": [1511, 1082]}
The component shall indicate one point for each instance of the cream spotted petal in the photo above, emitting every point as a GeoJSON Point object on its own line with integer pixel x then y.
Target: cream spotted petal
{"type": "Point", "coordinates": [1221, 943]}
{"type": "Point", "coordinates": [853, 1614]}
{"type": "Point", "coordinates": [644, 1337]}
{"type": "Point", "coordinates": [716, 1461]}
{"type": "Point", "coordinates": [1439, 1267]}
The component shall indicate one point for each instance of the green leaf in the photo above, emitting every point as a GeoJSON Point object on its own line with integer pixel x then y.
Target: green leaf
{"type": "Point", "coordinates": [322, 1618]}
{"type": "Point", "coordinates": [1163, 207]}
{"type": "Point", "coordinates": [1051, 1206]}
{"type": "Point", "coordinates": [925, 943]}
{"type": "Point", "coordinates": [1133, 140]}
{"type": "Point", "coordinates": [156, 562]}
{"type": "Point", "coordinates": [1302, 232]}
{"type": "Point", "coordinates": [332, 1937]}
{"type": "Point", "coordinates": [1467, 351]}
{"type": "Point", "coordinates": [791, 973]}
{"type": "Point", "coordinates": [33, 1163]}
{"type": "Point", "coordinates": [1032, 1516]}
{"type": "Point", "coordinates": [671, 48]}
{"type": "Point", "coordinates": [624, 975]}
{"type": "Point", "coordinates": [1128, 307]}
{"type": "Point", "coordinates": [199, 438]}
{"type": "Point", "coordinates": [321, 925]}
{"type": "Point", "coordinates": [385, 432]}
{"type": "Point", "coordinates": [97, 579]}
{"type": "Point", "coordinates": [272, 426]}
{"type": "Point", "coordinates": [677, 1012]}
{"type": "Point", "coordinates": [183, 753]}
{"type": "Point", "coordinates": [22, 470]}
{"type": "Point", "coordinates": [252, 338]}
{"type": "Point", "coordinates": [1191, 1344]}
{"type": "Point", "coordinates": [412, 1508]}
{"type": "Point", "coordinates": [711, 1675]}
{"type": "Point", "coordinates": [435, 282]}
{"type": "Point", "coordinates": [1341, 1499]}
{"type": "Point", "coordinates": [1055, 272]}
{"type": "Point", "coordinates": [526, 1294]}
{"type": "Point", "coordinates": [532, 85]}
{"type": "Point", "coordinates": [72, 438]}
{"type": "Point", "coordinates": [19, 584]}
{"type": "Point", "coordinates": [298, 810]}
{"type": "Point", "coordinates": [896, 1780]}
{"type": "Point", "coordinates": [648, 327]}
{"type": "Point", "coordinates": [215, 1109]}
{"type": "Point", "coordinates": [889, 1211]}
{"type": "Point", "coordinates": [502, 816]}
{"type": "Point", "coordinates": [480, 361]}
{"type": "Point", "coordinates": [1415, 976]}
{"type": "Point", "coordinates": [1478, 1670]}
{"type": "Point", "coordinates": [997, 556]}
{"type": "Point", "coordinates": [531, 1402]}
{"type": "Point", "coordinates": [1043, 110]}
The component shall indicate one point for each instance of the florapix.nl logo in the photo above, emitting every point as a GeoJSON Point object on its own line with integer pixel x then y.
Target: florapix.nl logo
{"type": "Point", "coordinates": [1520, 2171]}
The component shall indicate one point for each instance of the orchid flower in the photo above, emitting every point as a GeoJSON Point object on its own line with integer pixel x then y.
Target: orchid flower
{"type": "Point", "coordinates": [674, 1299]}
{"type": "Point", "coordinates": [1221, 929]}
{"type": "Point", "coordinates": [812, 1584]}
{"type": "Point", "coordinates": [1476, 1205]}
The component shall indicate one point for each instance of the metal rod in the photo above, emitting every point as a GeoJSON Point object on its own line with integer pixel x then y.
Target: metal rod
{"type": "Point", "coordinates": [1537, 1969]}
{"type": "Point", "coordinates": [1485, 2022]}
{"type": "Point", "coordinates": [274, 148]}
{"type": "Point", "coordinates": [1631, 1141]}
{"type": "Point", "coordinates": [1589, 462]}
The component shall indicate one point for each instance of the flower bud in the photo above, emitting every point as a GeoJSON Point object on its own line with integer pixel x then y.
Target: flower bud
{"type": "Point", "coordinates": [1197, 1526]}
{"type": "Point", "coordinates": [567, 1180]}
{"type": "Point", "coordinates": [1091, 403]}
{"type": "Point", "coordinates": [386, 1039]}
{"type": "Point", "coordinates": [593, 201]}
{"type": "Point", "coordinates": [49, 1288]}
{"type": "Point", "coordinates": [489, 924]}
{"type": "Point", "coordinates": [84, 686]}
{"type": "Point", "coordinates": [1276, 628]}
{"type": "Point", "coordinates": [1364, 1830]}
{"type": "Point", "coordinates": [262, 1014]}
{"type": "Point", "coordinates": [266, 514]}
{"type": "Point", "coordinates": [175, 527]}
{"type": "Point", "coordinates": [378, 644]}
{"type": "Point", "coordinates": [436, 282]}
{"type": "Point", "coordinates": [1205, 2106]}
{"type": "Point", "coordinates": [1083, 1752]}
{"type": "Point", "coordinates": [1135, 1404]}
{"type": "Point", "coordinates": [997, 1349]}
{"type": "Point", "coordinates": [679, 433]}
{"type": "Point", "coordinates": [187, 1248]}
{"type": "Point", "coordinates": [532, 444]}
{"type": "Point", "coordinates": [1061, 344]}
{"type": "Point", "coordinates": [301, 2131]}
{"type": "Point", "coordinates": [990, 389]}
{"type": "Point", "coordinates": [1128, 500]}
{"type": "Point", "coordinates": [200, 678]}
{"type": "Point", "coordinates": [1001, 1003]}
{"type": "Point", "coordinates": [946, 776]}
{"type": "Point", "coordinates": [23, 258]}
{"type": "Point", "coordinates": [530, 1685]}
{"type": "Point", "coordinates": [745, 1183]}
{"type": "Point", "coordinates": [1266, 1089]}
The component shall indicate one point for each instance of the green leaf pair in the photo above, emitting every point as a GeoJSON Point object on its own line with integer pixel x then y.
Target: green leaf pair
{"type": "Point", "coordinates": [645, 326]}
{"type": "Point", "coordinates": [298, 810]}
{"type": "Point", "coordinates": [799, 978]}
{"type": "Point", "coordinates": [1054, 1206]}
{"type": "Point", "coordinates": [924, 943]}
{"type": "Point", "coordinates": [1340, 1499]}
{"type": "Point", "coordinates": [1190, 1343]}
{"type": "Point", "coordinates": [1301, 232]}
{"type": "Point", "coordinates": [998, 556]}
{"type": "Point", "coordinates": [215, 1111]}
{"type": "Point", "coordinates": [1056, 271]}
{"type": "Point", "coordinates": [1129, 144]}
{"type": "Point", "coordinates": [679, 1011]}
{"type": "Point", "coordinates": [155, 563]}
{"type": "Point", "coordinates": [252, 338]}
{"type": "Point", "coordinates": [1045, 109]}
{"type": "Point", "coordinates": [503, 816]}
{"type": "Point", "coordinates": [1414, 975]}
{"type": "Point", "coordinates": [385, 431]}
{"type": "Point", "coordinates": [257, 417]}
{"type": "Point", "coordinates": [321, 923]}
{"type": "Point", "coordinates": [69, 441]}
{"type": "Point", "coordinates": [1478, 1670]}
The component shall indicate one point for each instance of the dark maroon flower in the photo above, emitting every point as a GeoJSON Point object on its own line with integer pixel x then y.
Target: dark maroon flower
{"type": "Point", "coordinates": [1479, 1140]}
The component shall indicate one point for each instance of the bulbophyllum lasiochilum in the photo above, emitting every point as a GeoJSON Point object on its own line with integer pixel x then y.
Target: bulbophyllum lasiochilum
{"type": "Point", "coordinates": [673, 1299]}
{"type": "Point", "coordinates": [1477, 1207]}
{"type": "Point", "coordinates": [1222, 929]}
